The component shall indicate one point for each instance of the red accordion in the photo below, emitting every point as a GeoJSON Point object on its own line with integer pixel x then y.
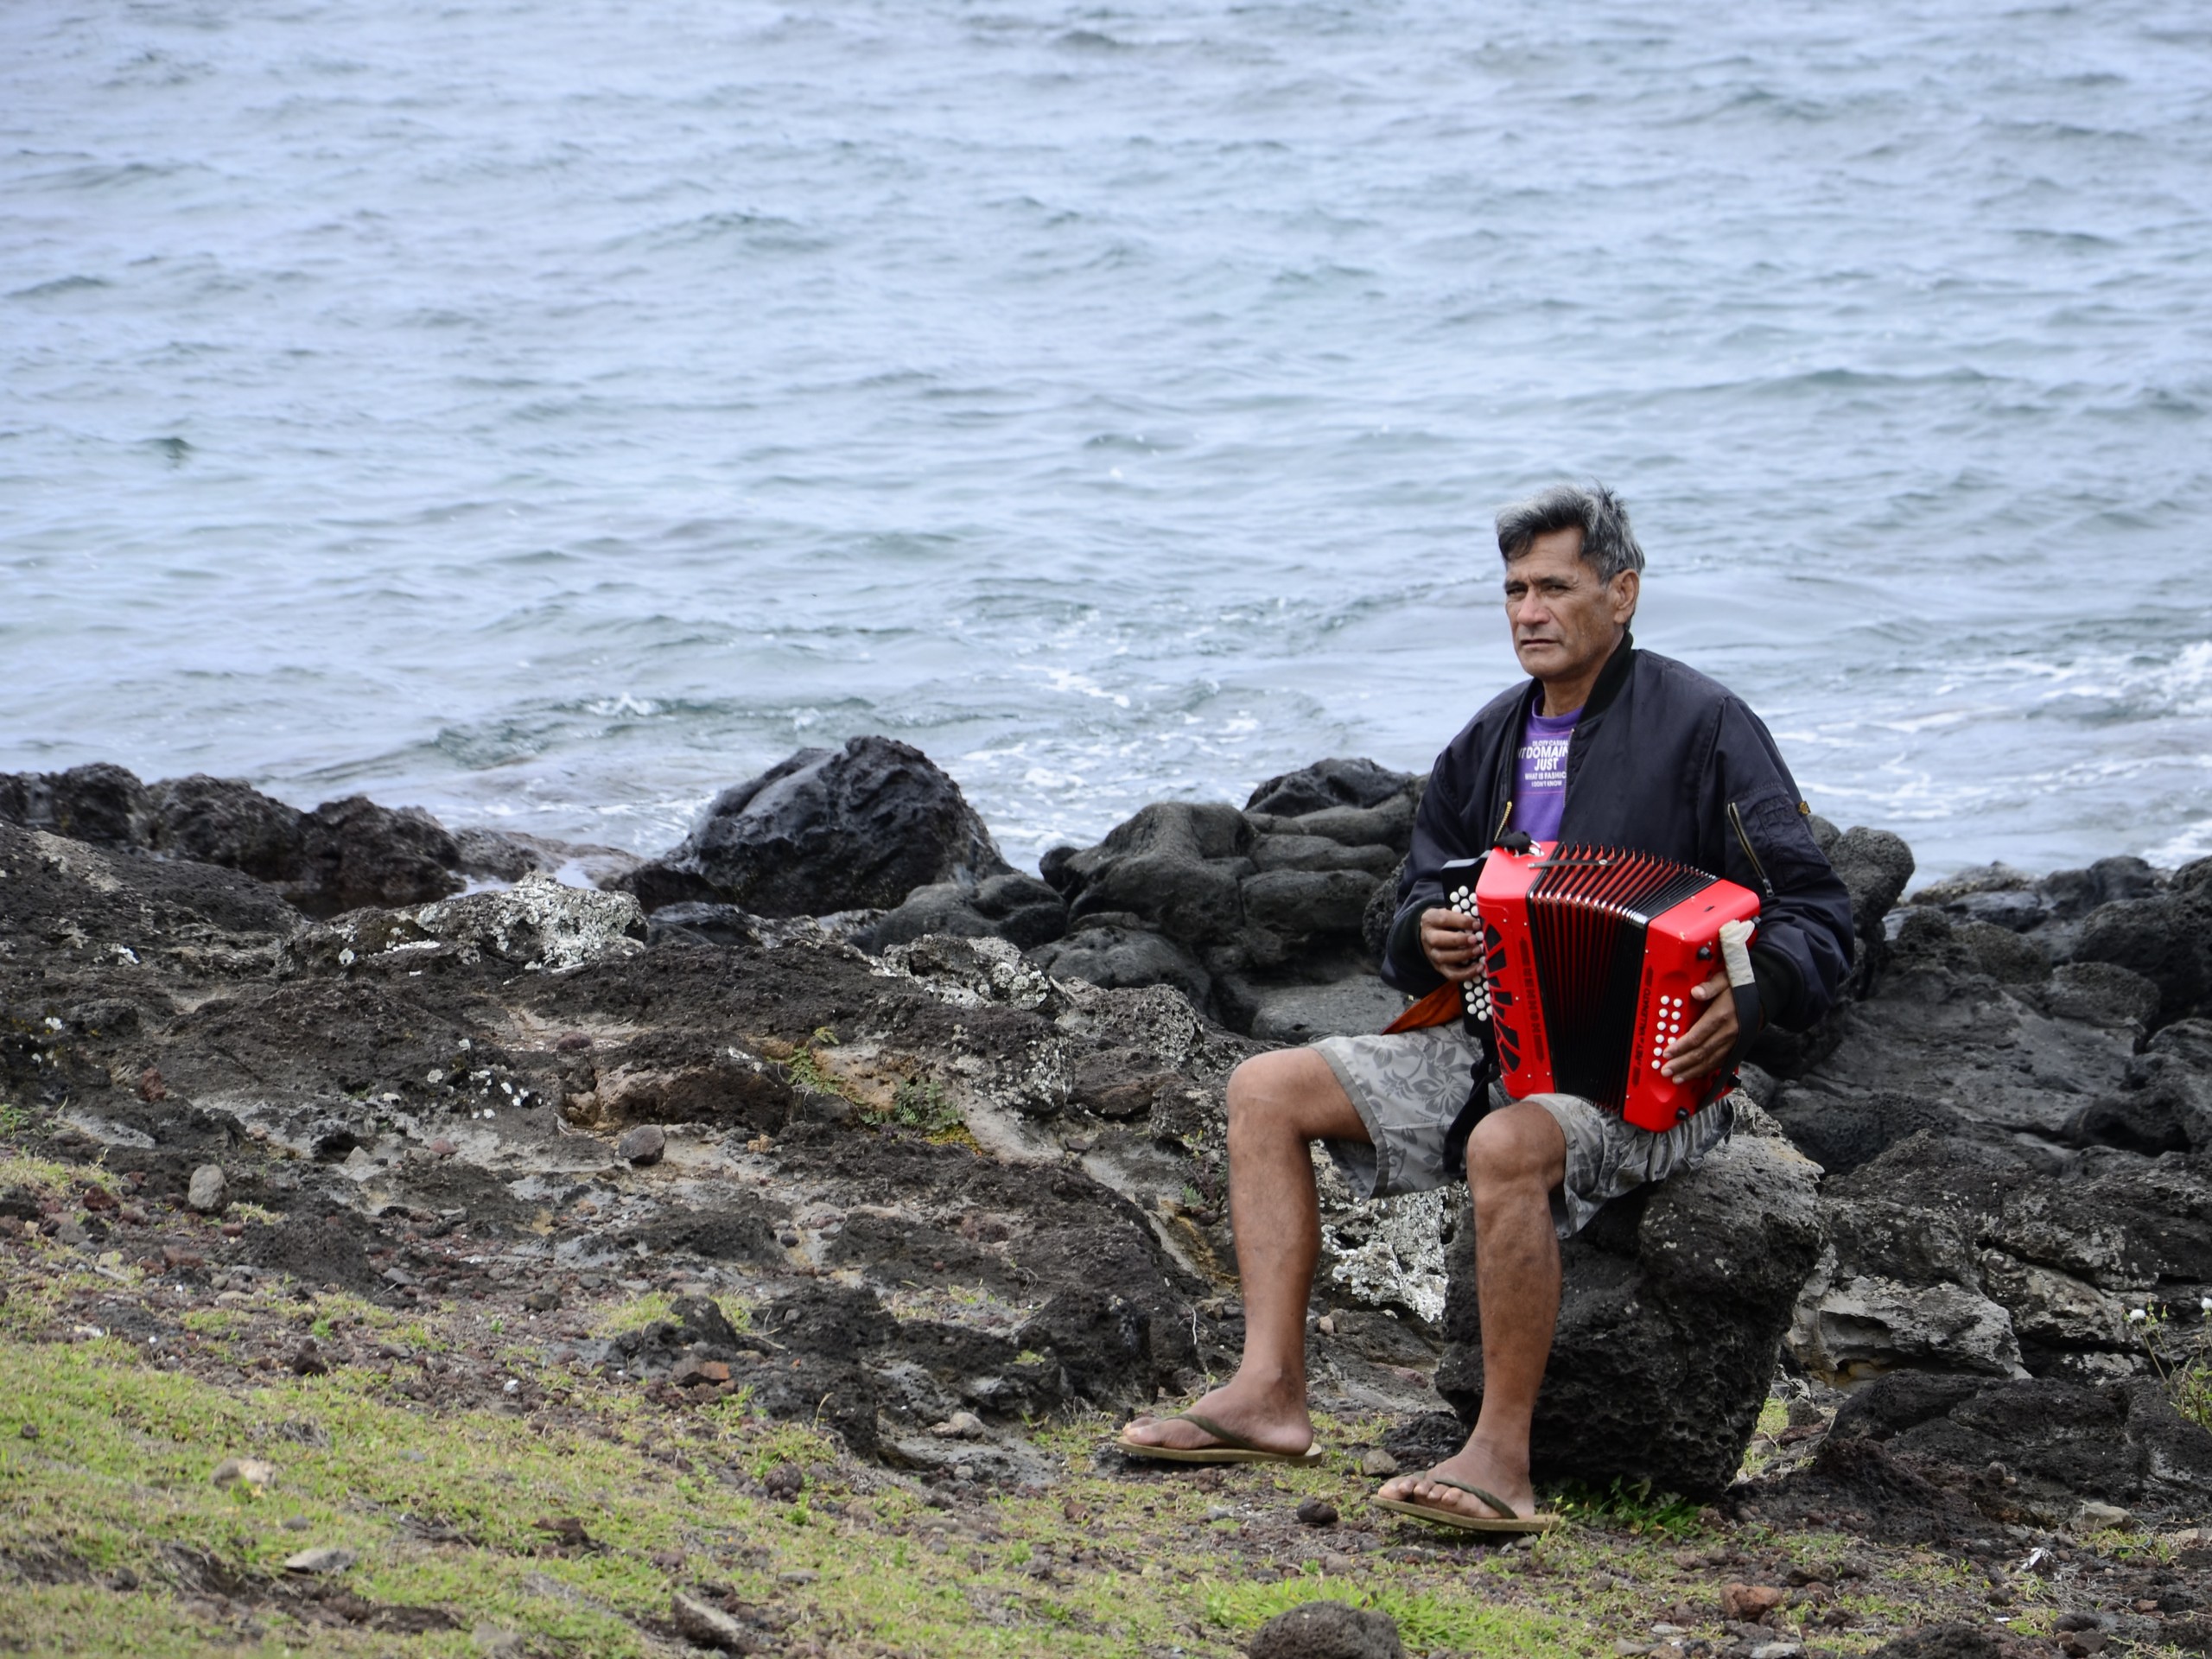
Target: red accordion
{"type": "Point", "coordinates": [1589, 955]}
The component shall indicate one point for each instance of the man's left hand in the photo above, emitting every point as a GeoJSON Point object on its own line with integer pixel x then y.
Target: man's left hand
{"type": "Point", "coordinates": [1699, 1051]}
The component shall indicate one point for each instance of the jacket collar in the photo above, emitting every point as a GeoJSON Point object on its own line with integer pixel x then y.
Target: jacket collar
{"type": "Point", "coordinates": [1611, 679]}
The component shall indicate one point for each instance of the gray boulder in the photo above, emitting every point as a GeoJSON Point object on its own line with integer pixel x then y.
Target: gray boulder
{"type": "Point", "coordinates": [1673, 1306]}
{"type": "Point", "coordinates": [827, 831]}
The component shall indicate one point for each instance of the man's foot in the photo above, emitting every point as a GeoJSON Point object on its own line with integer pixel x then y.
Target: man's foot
{"type": "Point", "coordinates": [1262, 1425]}
{"type": "Point", "coordinates": [1515, 1498]}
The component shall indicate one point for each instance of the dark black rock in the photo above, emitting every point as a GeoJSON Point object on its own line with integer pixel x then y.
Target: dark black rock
{"type": "Point", "coordinates": [1942, 1642]}
{"type": "Point", "coordinates": [100, 804]}
{"type": "Point", "coordinates": [2163, 937]}
{"type": "Point", "coordinates": [702, 924]}
{"type": "Point", "coordinates": [701, 1320]}
{"type": "Point", "coordinates": [355, 852]}
{"type": "Point", "coordinates": [1175, 867]}
{"type": "Point", "coordinates": [330, 1249]}
{"type": "Point", "coordinates": [1382, 911]}
{"type": "Point", "coordinates": [1327, 1630]}
{"type": "Point", "coordinates": [1111, 953]}
{"type": "Point", "coordinates": [2166, 1116]}
{"type": "Point", "coordinates": [1104, 1345]}
{"type": "Point", "coordinates": [855, 828]}
{"type": "Point", "coordinates": [2070, 894]}
{"type": "Point", "coordinates": [224, 821]}
{"type": "Point", "coordinates": [1329, 783]}
{"type": "Point", "coordinates": [746, 1233]}
{"type": "Point", "coordinates": [1875, 866]}
{"type": "Point", "coordinates": [1018, 908]}
{"type": "Point", "coordinates": [1295, 904]}
{"type": "Point", "coordinates": [2056, 1443]}
{"type": "Point", "coordinates": [1841, 1131]}
{"type": "Point", "coordinates": [1294, 891]}
{"type": "Point", "coordinates": [2099, 993]}
{"type": "Point", "coordinates": [1673, 1306]}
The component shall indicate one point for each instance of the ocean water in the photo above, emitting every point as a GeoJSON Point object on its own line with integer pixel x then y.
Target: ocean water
{"type": "Point", "coordinates": [550, 413]}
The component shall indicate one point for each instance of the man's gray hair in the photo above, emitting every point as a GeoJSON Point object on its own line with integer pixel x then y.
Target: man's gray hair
{"type": "Point", "coordinates": [1608, 544]}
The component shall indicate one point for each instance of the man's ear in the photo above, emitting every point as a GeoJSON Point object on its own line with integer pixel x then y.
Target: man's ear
{"type": "Point", "coordinates": [1628, 586]}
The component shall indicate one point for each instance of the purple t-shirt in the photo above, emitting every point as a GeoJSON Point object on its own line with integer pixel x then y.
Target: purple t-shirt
{"type": "Point", "coordinates": [1541, 789]}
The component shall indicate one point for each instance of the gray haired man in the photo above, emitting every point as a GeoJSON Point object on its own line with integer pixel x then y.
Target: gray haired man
{"type": "Point", "coordinates": [1604, 744]}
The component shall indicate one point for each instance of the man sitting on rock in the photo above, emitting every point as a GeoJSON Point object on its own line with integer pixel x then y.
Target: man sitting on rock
{"type": "Point", "coordinates": [1606, 745]}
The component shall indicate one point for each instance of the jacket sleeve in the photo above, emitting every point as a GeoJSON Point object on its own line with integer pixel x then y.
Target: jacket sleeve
{"type": "Point", "coordinates": [1804, 945]}
{"type": "Point", "coordinates": [1442, 831]}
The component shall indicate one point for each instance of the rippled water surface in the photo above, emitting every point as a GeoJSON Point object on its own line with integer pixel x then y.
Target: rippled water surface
{"type": "Point", "coordinates": [549, 413]}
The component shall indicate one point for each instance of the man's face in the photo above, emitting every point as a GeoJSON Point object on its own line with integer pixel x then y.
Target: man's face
{"type": "Point", "coordinates": [1566, 622]}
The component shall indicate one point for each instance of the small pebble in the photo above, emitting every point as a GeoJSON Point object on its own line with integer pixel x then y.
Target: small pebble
{"type": "Point", "coordinates": [1376, 1461]}
{"type": "Point", "coordinates": [1318, 1512]}
{"type": "Point", "coordinates": [641, 1144]}
{"type": "Point", "coordinates": [323, 1558]}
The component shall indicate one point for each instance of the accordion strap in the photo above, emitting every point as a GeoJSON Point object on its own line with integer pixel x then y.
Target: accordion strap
{"type": "Point", "coordinates": [1476, 1108]}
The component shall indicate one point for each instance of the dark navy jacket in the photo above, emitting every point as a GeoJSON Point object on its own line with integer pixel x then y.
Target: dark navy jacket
{"type": "Point", "coordinates": [1659, 753]}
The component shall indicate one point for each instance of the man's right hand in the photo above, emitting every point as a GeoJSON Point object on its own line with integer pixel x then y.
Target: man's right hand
{"type": "Point", "coordinates": [1451, 943]}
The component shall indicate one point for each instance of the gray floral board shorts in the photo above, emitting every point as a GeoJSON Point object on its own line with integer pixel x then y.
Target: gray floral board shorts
{"type": "Point", "coordinates": [1407, 1088]}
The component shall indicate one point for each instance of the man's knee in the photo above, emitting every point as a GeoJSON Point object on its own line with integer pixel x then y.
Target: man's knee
{"type": "Point", "coordinates": [1290, 1090]}
{"type": "Point", "coordinates": [1515, 1145]}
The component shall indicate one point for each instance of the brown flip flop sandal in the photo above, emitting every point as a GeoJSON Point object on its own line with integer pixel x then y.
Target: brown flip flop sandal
{"type": "Point", "coordinates": [1504, 1521]}
{"type": "Point", "coordinates": [1234, 1447]}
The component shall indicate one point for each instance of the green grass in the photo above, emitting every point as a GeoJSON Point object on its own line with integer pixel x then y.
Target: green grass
{"type": "Point", "coordinates": [1426, 1619]}
{"type": "Point", "coordinates": [922, 1104]}
{"type": "Point", "coordinates": [656, 1305]}
{"type": "Point", "coordinates": [1633, 1507]}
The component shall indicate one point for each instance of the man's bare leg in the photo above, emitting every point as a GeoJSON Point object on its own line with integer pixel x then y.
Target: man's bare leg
{"type": "Point", "coordinates": [1514, 1158]}
{"type": "Point", "coordinates": [1278, 1103]}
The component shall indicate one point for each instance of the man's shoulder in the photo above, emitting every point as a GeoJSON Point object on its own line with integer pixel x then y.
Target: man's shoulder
{"type": "Point", "coordinates": [1678, 682]}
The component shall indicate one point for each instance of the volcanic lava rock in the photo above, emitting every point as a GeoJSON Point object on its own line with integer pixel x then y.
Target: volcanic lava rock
{"type": "Point", "coordinates": [1238, 908]}
{"type": "Point", "coordinates": [827, 831]}
{"type": "Point", "coordinates": [342, 856]}
{"type": "Point", "coordinates": [100, 804]}
{"type": "Point", "coordinates": [355, 852]}
{"type": "Point", "coordinates": [1117, 951]}
{"type": "Point", "coordinates": [224, 821]}
{"type": "Point", "coordinates": [1327, 1630]}
{"type": "Point", "coordinates": [2023, 1450]}
{"type": "Point", "coordinates": [1674, 1302]}
{"type": "Point", "coordinates": [1018, 908]}
{"type": "Point", "coordinates": [2003, 1163]}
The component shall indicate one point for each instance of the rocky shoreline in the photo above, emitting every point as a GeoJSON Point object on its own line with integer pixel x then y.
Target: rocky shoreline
{"type": "Point", "coordinates": [946, 1138]}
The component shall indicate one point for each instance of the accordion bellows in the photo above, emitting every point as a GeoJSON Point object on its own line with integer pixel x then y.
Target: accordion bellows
{"type": "Point", "coordinates": [1589, 954]}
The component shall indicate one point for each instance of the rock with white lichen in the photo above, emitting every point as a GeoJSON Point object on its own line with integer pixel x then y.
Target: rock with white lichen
{"type": "Point", "coordinates": [539, 926]}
